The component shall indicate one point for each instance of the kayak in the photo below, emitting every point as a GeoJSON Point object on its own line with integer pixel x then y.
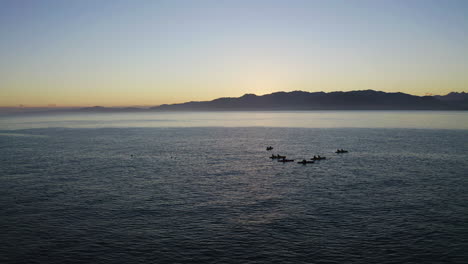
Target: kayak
{"type": "Point", "coordinates": [277, 157]}
{"type": "Point", "coordinates": [321, 158]}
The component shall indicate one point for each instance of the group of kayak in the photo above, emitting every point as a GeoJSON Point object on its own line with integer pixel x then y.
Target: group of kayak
{"type": "Point", "coordinates": [281, 158]}
{"type": "Point", "coordinates": [284, 159]}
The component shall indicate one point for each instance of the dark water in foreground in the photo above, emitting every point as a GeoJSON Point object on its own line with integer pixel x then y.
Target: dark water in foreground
{"type": "Point", "coordinates": [212, 195]}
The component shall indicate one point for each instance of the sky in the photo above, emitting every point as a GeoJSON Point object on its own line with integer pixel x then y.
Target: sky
{"type": "Point", "coordinates": [144, 53]}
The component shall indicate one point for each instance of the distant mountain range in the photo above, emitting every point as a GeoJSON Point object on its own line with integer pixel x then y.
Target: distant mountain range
{"type": "Point", "coordinates": [299, 100]}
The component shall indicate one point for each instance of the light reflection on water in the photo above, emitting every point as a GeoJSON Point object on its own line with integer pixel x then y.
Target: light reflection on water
{"type": "Point", "coordinates": [308, 119]}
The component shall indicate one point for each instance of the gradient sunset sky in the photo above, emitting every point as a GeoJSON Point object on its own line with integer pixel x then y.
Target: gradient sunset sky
{"type": "Point", "coordinates": [116, 53]}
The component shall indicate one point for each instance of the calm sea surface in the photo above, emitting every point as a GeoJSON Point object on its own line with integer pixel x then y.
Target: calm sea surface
{"type": "Point", "coordinates": [200, 188]}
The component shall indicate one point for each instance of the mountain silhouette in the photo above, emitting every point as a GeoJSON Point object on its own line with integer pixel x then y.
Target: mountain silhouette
{"type": "Point", "coordinates": [300, 100]}
{"type": "Point", "coordinates": [284, 101]}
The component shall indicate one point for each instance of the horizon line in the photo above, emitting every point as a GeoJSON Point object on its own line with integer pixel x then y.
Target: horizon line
{"type": "Point", "coordinates": [146, 106]}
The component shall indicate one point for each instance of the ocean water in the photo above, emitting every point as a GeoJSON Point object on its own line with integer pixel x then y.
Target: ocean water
{"type": "Point", "coordinates": [99, 189]}
{"type": "Point", "coordinates": [309, 119]}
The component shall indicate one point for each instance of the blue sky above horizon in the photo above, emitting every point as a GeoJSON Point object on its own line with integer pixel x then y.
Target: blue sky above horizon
{"type": "Point", "coordinates": [116, 53]}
